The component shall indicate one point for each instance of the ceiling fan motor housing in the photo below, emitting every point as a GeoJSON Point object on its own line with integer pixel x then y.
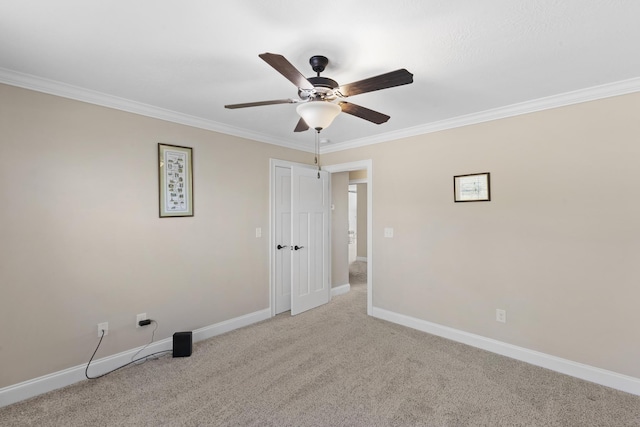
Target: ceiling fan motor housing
{"type": "Point", "coordinates": [323, 89]}
{"type": "Point", "coordinates": [323, 82]}
{"type": "Point", "coordinates": [323, 86]}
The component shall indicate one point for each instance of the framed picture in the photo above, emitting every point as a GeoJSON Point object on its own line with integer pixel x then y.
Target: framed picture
{"type": "Point", "coordinates": [474, 187]}
{"type": "Point", "coordinates": [176, 180]}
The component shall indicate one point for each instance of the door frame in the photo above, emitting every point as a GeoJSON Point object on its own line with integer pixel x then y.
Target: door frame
{"type": "Point", "coordinates": [368, 166]}
{"type": "Point", "coordinates": [342, 167]}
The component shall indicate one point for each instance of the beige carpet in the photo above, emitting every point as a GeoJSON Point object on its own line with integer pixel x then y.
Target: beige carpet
{"type": "Point", "coordinates": [358, 273]}
{"type": "Point", "coordinates": [332, 366]}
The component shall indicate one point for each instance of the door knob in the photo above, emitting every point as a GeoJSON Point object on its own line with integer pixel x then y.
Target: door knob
{"type": "Point", "coordinates": [298, 247]}
{"type": "Point", "coordinates": [281, 247]}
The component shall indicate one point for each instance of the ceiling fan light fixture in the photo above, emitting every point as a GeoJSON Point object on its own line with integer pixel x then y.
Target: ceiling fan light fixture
{"type": "Point", "coordinates": [318, 114]}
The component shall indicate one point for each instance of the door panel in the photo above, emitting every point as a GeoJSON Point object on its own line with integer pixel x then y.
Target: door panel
{"type": "Point", "coordinates": [310, 234]}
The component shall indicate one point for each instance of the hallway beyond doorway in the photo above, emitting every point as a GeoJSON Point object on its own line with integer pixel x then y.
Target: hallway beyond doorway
{"type": "Point", "coordinates": [357, 273]}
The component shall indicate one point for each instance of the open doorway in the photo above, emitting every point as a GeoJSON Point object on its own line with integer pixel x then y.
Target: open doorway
{"type": "Point", "coordinates": [363, 232]}
{"type": "Point", "coordinates": [353, 222]}
{"type": "Point", "coordinates": [357, 228]}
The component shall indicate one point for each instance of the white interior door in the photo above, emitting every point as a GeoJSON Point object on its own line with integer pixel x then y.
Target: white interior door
{"type": "Point", "coordinates": [282, 239]}
{"type": "Point", "coordinates": [310, 239]}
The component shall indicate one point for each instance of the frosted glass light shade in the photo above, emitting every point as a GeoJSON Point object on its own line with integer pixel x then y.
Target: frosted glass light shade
{"type": "Point", "coordinates": [318, 114]}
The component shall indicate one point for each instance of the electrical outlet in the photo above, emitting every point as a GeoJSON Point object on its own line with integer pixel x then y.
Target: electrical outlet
{"type": "Point", "coordinates": [139, 317]}
{"type": "Point", "coordinates": [501, 315]}
{"type": "Point", "coordinates": [103, 327]}
{"type": "Point", "coordinates": [258, 232]}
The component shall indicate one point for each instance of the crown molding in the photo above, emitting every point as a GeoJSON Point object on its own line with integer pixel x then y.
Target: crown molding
{"type": "Point", "coordinates": [569, 98]}
{"type": "Point", "coordinates": [64, 90]}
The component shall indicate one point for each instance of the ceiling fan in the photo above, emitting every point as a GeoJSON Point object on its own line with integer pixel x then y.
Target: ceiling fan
{"type": "Point", "coordinates": [316, 95]}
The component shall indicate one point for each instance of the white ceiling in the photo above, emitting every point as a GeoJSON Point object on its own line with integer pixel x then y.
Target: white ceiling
{"type": "Point", "coordinates": [472, 60]}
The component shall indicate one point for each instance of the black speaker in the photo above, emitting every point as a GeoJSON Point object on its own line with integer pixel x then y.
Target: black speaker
{"type": "Point", "coordinates": [182, 344]}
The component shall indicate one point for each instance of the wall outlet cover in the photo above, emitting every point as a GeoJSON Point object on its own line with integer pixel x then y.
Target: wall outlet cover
{"type": "Point", "coordinates": [104, 326]}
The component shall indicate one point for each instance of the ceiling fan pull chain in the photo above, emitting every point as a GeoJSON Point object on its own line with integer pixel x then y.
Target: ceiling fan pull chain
{"type": "Point", "coordinates": [318, 151]}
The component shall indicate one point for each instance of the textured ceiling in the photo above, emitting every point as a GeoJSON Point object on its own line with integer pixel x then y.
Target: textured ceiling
{"type": "Point", "coordinates": [186, 60]}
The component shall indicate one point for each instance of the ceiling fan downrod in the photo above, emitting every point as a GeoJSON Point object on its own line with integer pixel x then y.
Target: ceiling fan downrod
{"type": "Point", "coordinates": [324, 87]}
{"type": "Point", "coordinates": [318, 63]}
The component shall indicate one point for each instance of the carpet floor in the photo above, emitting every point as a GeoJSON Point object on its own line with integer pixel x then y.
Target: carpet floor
{"type": "Point", "coordinates": [331, 366]}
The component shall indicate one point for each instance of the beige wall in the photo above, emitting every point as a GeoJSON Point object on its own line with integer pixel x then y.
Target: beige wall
{"type": "Point", "coordinates": [340, 229]}
{"type": "Point", "coordinates": [81, 241]}
{"type": "Point", "coordinates": [358, 175]}
{"type": "Point", "coordinates": [361, 232]}
{"type": "Point", "coordinates": [558, 247]}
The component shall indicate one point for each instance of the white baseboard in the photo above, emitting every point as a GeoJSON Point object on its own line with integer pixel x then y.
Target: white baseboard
{"type": "Point", "coordinates": [339, 290]}
{"type": "Point", "coordinates": [361, 258]}
{"type": "Point", "coordinates": [31, 388]}
{"type": "Point", "coordinates": [231, 324]}
{"type": "Point", "coordinates": [46, 383]}
{"type": "Point", "coordinates": [579, 370]}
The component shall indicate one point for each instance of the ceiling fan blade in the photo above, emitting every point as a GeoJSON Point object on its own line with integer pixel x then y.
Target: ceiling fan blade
{"type": "Point", "coordinates": [285, 68]}
{"type": "Point", "coordinates": [259, 103]}
{"type": "Point", "coordinates": [301, 126]}
{"type": "Point", "coordinates": [383, 81]}
{"type": "Point", "coordinates": [363, 113]}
